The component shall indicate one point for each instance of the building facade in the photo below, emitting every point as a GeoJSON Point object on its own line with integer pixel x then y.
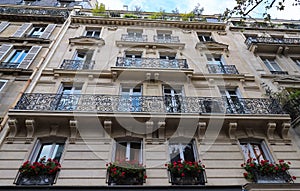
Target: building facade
{"type": "Point", "coordinates": [145, 89]}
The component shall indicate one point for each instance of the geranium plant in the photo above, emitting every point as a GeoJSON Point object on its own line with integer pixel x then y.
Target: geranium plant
{"type": "Point", "coordinates": [265, 168]}
{"type": "Point", "coordinates": [43, 167]}
{"type": "Point", "coordinates": [120, 171]}
{"type": "Point", "coordinates": [183, 168]}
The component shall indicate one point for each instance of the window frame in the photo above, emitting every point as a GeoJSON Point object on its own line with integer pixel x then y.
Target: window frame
{"type": "Point", "coordinates": [3, 82]}
{"type": "Point", "coordinates": [13, 53]}
{"type": "Point", "coordinates": [262, 144]}
{"type": "Point", "coordinates": [36, 151]}
{"type": "Point", "coordinates": [40, 31]}
{"type": "Point", "coordinates": [128, 142]}
{"type": "Point", "coordinates": [181, 146]}
{"type": "Point", "coordinates": [268, 63]}
{"type": "Point", "coordinates": [93, 35]}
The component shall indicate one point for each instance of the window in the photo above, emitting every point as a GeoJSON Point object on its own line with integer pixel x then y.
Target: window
{"type": "Point", "coordinates": [273, 66]}
{"type": "Point", "coordinates": [173, 99]}
{"type": "Point", "coordinates": [15, 58]}
{"type": "Point", "coordinates": [69, 97]}
{"type": "Point", "coordinates": [255, 149]}
{"type": "Point", "coordinates": [133, 59]}
{"type": "Point", "coordinates": [50, 150]}
{"type": "Point", "coordinates": [215, 59]}
{"type": "Point", "coordinates": [233, 101]}
{"type": "Point", "coordinates": [297, 61]}
{"type": "Point", "coordinates": [131, 99]}
{"type": "Point", "coordinates": [93, 33]}
{"type": "Point", "coordinates": [36, 32]}
{"type": "Point", "coordinates": [165, 37]}
{"type": "Point", "coordinates": [82, 60]}
{"type": "Point", "coordinates": [183, 151]}
{"type": "Point", "coordinates": [2, 84]}
{"type": "Point", "coordinates": [205, 37]}
{"type": "Point", "coordinates": [129, 151]}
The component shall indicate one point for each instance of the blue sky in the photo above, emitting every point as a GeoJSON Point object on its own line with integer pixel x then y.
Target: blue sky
{"type": "Point", "coordinates": [210, 6]}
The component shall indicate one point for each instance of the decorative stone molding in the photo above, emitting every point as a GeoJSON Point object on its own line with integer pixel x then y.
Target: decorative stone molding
{"type": "Point", "coordinates": [53, 130]}
{"type": "Point", "coordinates": [232, 131]}
{"type": "Point", "coordinates": [107, 127]}
{"type": "Point", "coordinates": [249, 132]}
{"type": "Point", "coordinates": [270, 130]}
{"type": "Point", "coordinates": [73, 131]}
{"type": "Point", "coordinates": [285, 130]}
{"type": "Point", "coordinates": [30, 130]}
{"type": "Point", "coordinates": [161, 129]}
{"type": "Point", "coordinates": [149, 129]}
{"type": "Point", "coordinates": [13, 130]}
{"type": "Point", "coordinates": [201, 130]}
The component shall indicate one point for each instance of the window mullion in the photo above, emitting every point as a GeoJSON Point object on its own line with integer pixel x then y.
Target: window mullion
{"type": "Point", "coordinates": [128, 151]}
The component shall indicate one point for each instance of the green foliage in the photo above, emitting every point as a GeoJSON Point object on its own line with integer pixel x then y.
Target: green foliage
{"type": "Point", "coordinates": [40, 168]}
{"type": "Point", "coordinates": [128, 15]}
{"type": "Point", "coordinates": [185, 168]}
{"type": "Point", "coordinates": [99, 9]}
{"type": "Point", "coordinates": [187, 16]}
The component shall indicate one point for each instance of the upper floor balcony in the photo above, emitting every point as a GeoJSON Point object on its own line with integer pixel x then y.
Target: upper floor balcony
{"type": "Point", "coordinates": [222, 69]}
{"type": "Point", "coordinates": [149, 104]}
{"type": "Point", "coordinates": [151, 63]}
{"type": "Point", "coordinates": [134, 38]}
{"type": "Point", "coordinates": [77, 64]}
{"type": "Point", "coordinates": [273, 45]}
{"type": "Point", "coordinates": [58, 15]}
{"type": "Point", "coordinates": [166, 39]}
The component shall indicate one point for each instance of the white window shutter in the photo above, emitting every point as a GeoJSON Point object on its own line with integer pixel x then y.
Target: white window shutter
{"type": "Point", "coordinates": [4, 49]}
{"type": "Point", "coordinates": [48, 30]}
{"type": "Point", "coordinates": [22, 30]}
{"type": "Point", "coordinates": [3, 25]}
{"type": "Point", "coordinates": [30, 57]}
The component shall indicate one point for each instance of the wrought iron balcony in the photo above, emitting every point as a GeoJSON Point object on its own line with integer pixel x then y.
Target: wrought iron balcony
{"type": "Point", "coordinates": [131, 177]}
{"type": "Point", "coordinates": [280, 72]}
{"type": "Point", "coordinates": [46, 179]}
{"type": "Point", "coordinates": [176, 179]}
{"type": "Point", "coordinates": [151, 63]}
{"type": "Point", "coordinates": [222, 69]}
{"type": "Point", "coordinates": [270, 40]}
{"type": "Point", "coordinates": [280, 177]}
{"type": "Point", "coordinates": [9, 64]}
{"type": "Point", "coordinates": [31, 11]}
{"type": "Point", "coordinates": [169, 39]}
{"type": "Point", "coordinates": [77, 65]}
{"type": "Point", "coordinates": [134, 38]}
{"type": "Point", "coordinates": [157, 104]}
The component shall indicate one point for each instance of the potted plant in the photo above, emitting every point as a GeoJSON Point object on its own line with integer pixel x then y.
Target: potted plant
{"type": "Point", "coordinates": [38, 173]}
{"type": "Point", "coordinates": [126, 173]}
{"type": "Point", "coordinates": [265, 172]}
{"type": "Point", "coordinates": [186, 172]}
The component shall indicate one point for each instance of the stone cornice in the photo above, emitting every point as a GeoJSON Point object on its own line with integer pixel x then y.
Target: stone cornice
{"type": "Point", "coordinates": [147, 23]}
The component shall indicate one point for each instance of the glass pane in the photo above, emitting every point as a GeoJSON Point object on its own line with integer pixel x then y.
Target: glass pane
{"type": "Point", "coordinates": [245, 151]}
{"type": "Point", "coordinates": [189, 153]}
{"type": "Point", "coordinates": [135, 149]}
{"type": "Point", "coordinates": [275, 66]}
{"type": "Point", "coordinates": [258, 152]}
{"type": "Point", "coordinates": [45, 152]}
{"type": "Point", "coordinates": [120, 151]}
{"type": "Point", "coordinates": [174, 151]}
{"type": "Point", "coordinates": [15, 56]}
{"type": "Point", "coordinates": [97, 34]}
{"type": "Point", "coordinates": [58, 149]}
{"type": "Point", "coordinates": [89, 33]}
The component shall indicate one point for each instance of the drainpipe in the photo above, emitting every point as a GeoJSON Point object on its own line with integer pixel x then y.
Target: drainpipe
{"type": "Point", "coordinates": [31, 82]}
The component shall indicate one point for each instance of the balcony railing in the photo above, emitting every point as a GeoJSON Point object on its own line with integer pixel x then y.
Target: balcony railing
{"type": "Point", "coordinates": [222, 69]}
{"type": "Point", "coordinates": [31, 11]}
{"type": "Point", "coordinates": [172, 39]}
{"type": "Point", "coordinates": [131, 177]}
{"type": "Point", "coordinates": [9, 64]}
{"type": "Point", "coordinates": [77, 65]}
{"type": "Point", "coordinates": [187, 180]}
{"type": "Point", "coordinates": [281, 177]}
{"type": "Point", "coordinates": [136, 38]}
{"type": "Point", "coordinates": [157, 104]}
{"type": "Point", "coordinates": [280, 72]}
{"type": "Point", "coordinates": [46, 179]}
{"type": "Point", "coordinates": [151, 63]}
{"type": "Point", "coordinates": [270, 40]}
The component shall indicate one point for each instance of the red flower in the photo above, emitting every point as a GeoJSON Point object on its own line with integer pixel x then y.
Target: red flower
{"type": "Point", "coordinates": [294, 177]}
{"type": "Point", "coordinates": [145, 177]}
{"type": "Point", "coordinates": [245, 174]}
{"type": "Point", "coordinates": [281, 161]}
{"type": "Point", "coordinates": [182, 174]}
{"type": "Point", "coordinates": [252, 165]}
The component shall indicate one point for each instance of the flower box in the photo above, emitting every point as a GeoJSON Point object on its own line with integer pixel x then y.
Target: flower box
{"type": "Point", "coordinates": [38, 173]}
{"type": "Point", "coordinates": [265, 172]}
{"type": "Point", "coordinates": [187, 180]}
{"type": "Point", "coordinates": [46, 179]}
{"type": "Point", "coordinates": [186, 173]}
{"type": "Point", "coordinates": [126, 173]}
